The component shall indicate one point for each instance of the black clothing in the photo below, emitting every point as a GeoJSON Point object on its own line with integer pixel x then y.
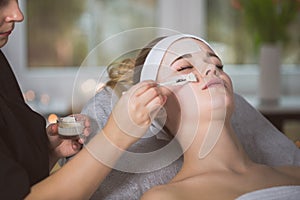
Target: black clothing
{"type": "Point", "coordinates": [24, 155]}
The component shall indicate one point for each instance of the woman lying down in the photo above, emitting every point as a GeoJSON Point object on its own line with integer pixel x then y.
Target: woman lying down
{"type": "Point", "coordinates": [198, 109]}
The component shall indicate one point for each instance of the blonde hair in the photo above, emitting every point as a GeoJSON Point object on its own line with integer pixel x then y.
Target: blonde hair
{"type": "Point", "coordinates": [120, 72]}
{"type": "Point", "coordinates": [127, 71]}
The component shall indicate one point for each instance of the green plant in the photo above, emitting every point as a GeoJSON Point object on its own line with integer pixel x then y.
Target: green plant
{"type": "Point", "coordinates": [268, 20]}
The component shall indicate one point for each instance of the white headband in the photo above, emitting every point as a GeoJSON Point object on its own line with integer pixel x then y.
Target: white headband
{"type": "Point", "coordinates": [156, 54]}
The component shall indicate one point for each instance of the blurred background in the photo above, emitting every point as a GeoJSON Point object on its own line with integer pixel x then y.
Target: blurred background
{"type": "Point", "coordinates": [53, 44]}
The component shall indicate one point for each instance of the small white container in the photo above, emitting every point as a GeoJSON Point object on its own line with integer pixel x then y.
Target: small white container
{"type": "Point", "coordinates": [70, 126]}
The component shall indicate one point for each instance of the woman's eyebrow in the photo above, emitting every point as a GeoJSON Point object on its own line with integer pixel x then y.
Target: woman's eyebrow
{"type": "Point", "coordinates": [211, 54]}
{"type": "Point", "coordinates": [181, 57]}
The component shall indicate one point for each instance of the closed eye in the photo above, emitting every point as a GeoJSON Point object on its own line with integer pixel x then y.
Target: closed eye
{"type": "Point", "coordinates": [220, 67]}
{"type": "Point", "coordinates": [184, 68]}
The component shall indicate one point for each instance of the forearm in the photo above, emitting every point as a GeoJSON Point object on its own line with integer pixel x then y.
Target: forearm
{"type": "Point", "coordinates": [81, 176]}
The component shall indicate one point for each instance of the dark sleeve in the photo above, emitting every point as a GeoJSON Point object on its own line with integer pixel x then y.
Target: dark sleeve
{"type": "Point", "coordinates": [14, 181]}
{"type": "Point", "coordinates": [24, 144]}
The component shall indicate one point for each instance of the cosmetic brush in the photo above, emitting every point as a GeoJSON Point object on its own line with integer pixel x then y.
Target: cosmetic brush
{"type": "Point", "coordinates": [181, 80]}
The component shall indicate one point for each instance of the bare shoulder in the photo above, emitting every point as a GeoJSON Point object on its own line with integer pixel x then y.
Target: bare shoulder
{"type": "Point", "coordinates": [163, 192]}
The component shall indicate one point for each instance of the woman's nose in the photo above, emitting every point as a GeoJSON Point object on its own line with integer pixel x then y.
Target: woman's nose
{"type": "Point", "coordinates": [211, 70]}
{"type": "Point", "coordinates": [14, 13]}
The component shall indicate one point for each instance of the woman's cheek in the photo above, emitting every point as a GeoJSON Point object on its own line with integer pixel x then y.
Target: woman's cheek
{"type": "Point", "coordinates": [192, 102]}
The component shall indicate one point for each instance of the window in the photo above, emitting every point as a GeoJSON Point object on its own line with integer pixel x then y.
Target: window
{"type": "Point", "coordinates": [60, 38]}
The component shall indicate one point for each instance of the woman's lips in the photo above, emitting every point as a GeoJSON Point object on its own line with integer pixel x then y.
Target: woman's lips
{"type": "Point", "coordinates": [213, 82]}
{"type": "Point", "coordinates": [7, 33]}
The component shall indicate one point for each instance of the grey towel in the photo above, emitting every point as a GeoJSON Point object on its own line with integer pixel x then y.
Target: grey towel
{"type": "Point", "coordinates": [261, 140]}
{"type": "Point", "coordinates": [274, 193]}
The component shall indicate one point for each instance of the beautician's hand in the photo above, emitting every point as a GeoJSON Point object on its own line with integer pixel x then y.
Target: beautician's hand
{"type": "Point", "coordinates": [63, 147]}
{"type": "Point", "coordinates": [136, 108]}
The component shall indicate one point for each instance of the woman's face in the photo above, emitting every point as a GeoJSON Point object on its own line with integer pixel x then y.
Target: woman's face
{"type": "Point", "coordinates": [9, 14]}
{"type": "Point", "coordinates": [212, 96]}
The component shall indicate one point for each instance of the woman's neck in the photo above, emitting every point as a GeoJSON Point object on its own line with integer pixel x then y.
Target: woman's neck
{"type": "Point", "coordinates": [226, 152]}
